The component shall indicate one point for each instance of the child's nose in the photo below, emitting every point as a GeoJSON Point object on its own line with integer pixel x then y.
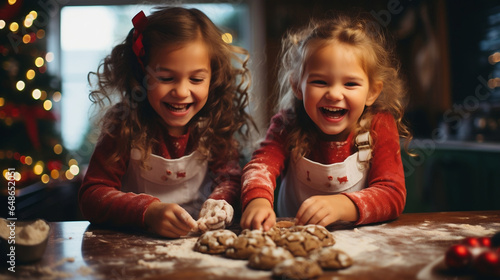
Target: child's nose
{"type": "Point", "coordinates": [181, 89]}
{"type": "Point", "coordinates": [335, 93]}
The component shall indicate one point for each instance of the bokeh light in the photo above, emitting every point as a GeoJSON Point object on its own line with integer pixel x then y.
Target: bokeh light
{"type": "Point", "coordinates": [56, 97]}
{"type": "Point", "coordinates": [14, 27]}
{"type": "Point", "coordinates": [39, 62]}
{"type": "Point", "coordinates": [36, 94]}
{"type": "Point", "coordinates": [58, 149]}
{"type": "Point", "coordinates": [47, 105]}
{"type": "Point", "coordinates": [45, 178]}
{"type": "Point", "coordinates": [30, 74]}
{"type": "Point", "coordinates": [49, 57]}
{"type": "Point", "coordinates": [20, 85]}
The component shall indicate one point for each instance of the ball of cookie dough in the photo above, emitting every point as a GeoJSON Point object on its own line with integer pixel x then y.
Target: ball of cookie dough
{"type": "Point", "coordinates": [284, 224]}
{"type": "Point", "coordinates": [215, 214]}
{"type": "Point", "coordinates": [297, 268]}
{"type": "Point", "coordinates": [275, 233]}
{"type": "Point", "coordinates": [268, 256]}
{"type": "Point", "coordinates": [331, 258]}
{"type": "Point", "coordinates": [319, 232]}
{"type": "Point", "coordinates": [215, 242]}
{"type": "Point", "coordinates": [300, 244]}
{"type": "Point", "coordinates": [280, 228]}
{"type": "Point", "coordinates": [248, 243]}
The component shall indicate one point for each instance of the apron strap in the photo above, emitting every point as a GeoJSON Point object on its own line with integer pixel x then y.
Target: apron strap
{"type": "Point", "coordinates": [363, 143]}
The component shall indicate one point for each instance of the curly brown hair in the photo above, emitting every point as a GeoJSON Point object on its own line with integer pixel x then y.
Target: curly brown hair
{"type": "Point", "coordinates": [378, 60]}
{"type": "Point", "coordinates": [131, 120]}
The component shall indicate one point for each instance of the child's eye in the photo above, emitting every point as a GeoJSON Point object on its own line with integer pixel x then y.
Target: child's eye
{"type": "Point", "coordinates": [351, 84]}
{"type": "Point", "coordinates": [197, 80]}
{"type": "Point", "coordinates": [165, 79]}
{"type": "Point", "coordinates": [318, 82]}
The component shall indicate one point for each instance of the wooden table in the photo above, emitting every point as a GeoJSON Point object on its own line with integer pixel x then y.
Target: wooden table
{"type": "Point", "coordinates": [411, 247]}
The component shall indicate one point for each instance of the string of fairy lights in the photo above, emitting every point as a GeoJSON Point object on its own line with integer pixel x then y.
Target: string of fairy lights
{"type": "Point", "coordinates": [46, 170]}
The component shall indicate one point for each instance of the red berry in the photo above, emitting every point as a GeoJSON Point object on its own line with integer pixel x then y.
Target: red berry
{"type": "Point", "coordinates": [484, 241]}
{"type": "Point", "coordinates": [471, 241]}
{"type": "Point", "coordinates": [458, 257]}
{"type": "Point", "coordinates": [488, 263]}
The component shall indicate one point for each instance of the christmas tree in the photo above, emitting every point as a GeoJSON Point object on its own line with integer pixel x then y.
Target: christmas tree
{"type": "Point", "coordinates": [30, 144]}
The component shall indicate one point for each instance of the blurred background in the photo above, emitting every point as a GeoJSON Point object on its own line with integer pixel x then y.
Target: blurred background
{"type": "Point", "coordinates": [449, 51]}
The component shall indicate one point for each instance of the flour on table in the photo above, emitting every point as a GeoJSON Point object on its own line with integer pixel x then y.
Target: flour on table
{"type": "Point", "coordinates": [89, 234]}
{"type": "Point", "coordinates": [149, 256]}
{"type": "Point", "coordinates": [475, 230]}
{"type": "Point", "coordinates": [49, 272]}
{"type": "Point", "coordinates": [157, 264]}
{"type": "Point", "coordinates": [384, 246]}
{"type": "Point", "coordinates": [212, 264]}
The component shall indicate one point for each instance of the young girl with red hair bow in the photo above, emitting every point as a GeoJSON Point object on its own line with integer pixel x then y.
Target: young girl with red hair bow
{"type": "Point", "coordinates": [167, 154]}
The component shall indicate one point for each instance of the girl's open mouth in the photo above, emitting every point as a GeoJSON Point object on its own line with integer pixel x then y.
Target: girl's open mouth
{"type": "Point", "coordinates": [333, 113]}
{"type": "Point", "coordinates": [177, 108]}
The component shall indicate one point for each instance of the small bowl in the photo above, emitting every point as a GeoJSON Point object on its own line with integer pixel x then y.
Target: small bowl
{"type": "Point", "coordinates": [23, 253]}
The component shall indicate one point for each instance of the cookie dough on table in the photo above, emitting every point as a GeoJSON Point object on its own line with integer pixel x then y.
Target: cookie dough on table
{"type": "Point", "coordinates": [300, 244]}
{"type": "Point", "coordinates": [317, 231]}
{"type": "Point", "coordinates": [284, 224]}
{"type": "Point", "coordinates": [268, 257]}
{"type": "Point", "coordinates": [215, 242]}
{"type": "Point", "coordinates": [248, 243]}
{"type": "Point", "coordinates": [279, 229]}
{"type": "Point", "coordinates": [331, 258]}
{"type": "Point", "coordinates": [297, 268]}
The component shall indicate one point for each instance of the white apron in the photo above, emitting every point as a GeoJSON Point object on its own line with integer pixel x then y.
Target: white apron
{"type": "Point", "coordinates": [305, 178]}
{"type": "Point", "coordinates": [184, 181]}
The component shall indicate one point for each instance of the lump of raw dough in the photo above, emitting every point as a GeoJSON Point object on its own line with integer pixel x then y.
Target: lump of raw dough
{"type": "Point", "coordinates": [319, 232]}
{"type": "Point", "coordinates": [297, 268]}
{"type": "Point", "coordinates": [299, 243]}
{"type": "Point", "coordinates": [285, 224]}
{"type": "Point", "coordinates": [268, 256]}
{"type": "Point", "coordinates": [248, 243]}
{"type": "Point", "coordinates": [330, 258]}
{"type": "Point", "coordinates": [215, 242]}
{"type": "Point", "coordinates": [215, 214]}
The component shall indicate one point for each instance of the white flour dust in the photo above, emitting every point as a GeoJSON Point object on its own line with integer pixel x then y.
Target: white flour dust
{"type": "Point", "coordinates": [384, 246]}
{"type": "Point", "coordinates": [213, 264]}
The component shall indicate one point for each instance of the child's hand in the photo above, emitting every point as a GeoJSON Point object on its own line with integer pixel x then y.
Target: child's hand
{"type": "Point", "coordinates": [215, 214]}
{"type": "Point", "coordinates": [326, 209]}
{"type": "Point", "coordinates": [169, 220]}
{"type": "Point", "coordinates": [258, 215]}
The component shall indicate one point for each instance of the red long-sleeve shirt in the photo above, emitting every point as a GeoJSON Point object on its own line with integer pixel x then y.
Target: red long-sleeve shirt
{"type": "Point", "coordinates": [384, 197]}
{"type": "Point", "coordinates": [102, 201]}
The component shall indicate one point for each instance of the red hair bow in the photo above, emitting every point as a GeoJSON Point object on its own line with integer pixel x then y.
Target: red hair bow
{"type": "Point", "coordinates": [140, 21]}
